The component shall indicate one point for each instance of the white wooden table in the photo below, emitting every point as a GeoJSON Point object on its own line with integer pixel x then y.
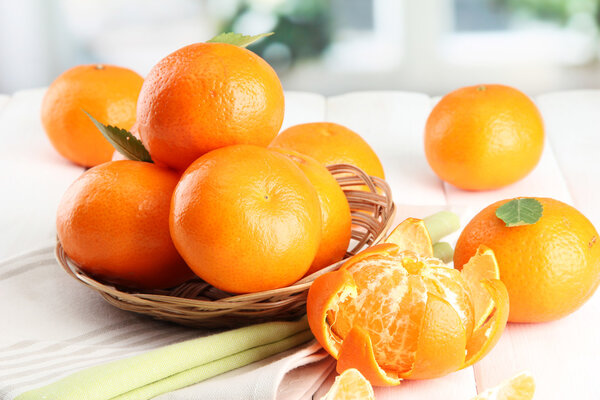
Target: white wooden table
{"type": "Point", "coordinates": [563, 356]}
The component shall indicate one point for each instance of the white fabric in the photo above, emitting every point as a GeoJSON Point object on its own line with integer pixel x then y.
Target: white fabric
{"type": "Point", "coordinates": [50, 321]}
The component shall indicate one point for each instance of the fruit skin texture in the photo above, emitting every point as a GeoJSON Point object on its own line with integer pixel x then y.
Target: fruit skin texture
{"type": "Point", "coordinates": [205, 96]}
{"type": "Point", "coordinates": [330, 143]}
{"type": "Point", "coordinates": [484, 137]}
{"type": "Point", "coordinates": [550, 268]}
{"type": "Point", "coordinates": [109, 93]}
{"type": "Point", "coordinates": [246, 219]}
{"type": "Point", "coordinates": [114, 222]}
{"type": "Point", "coordinates": [335, 211]}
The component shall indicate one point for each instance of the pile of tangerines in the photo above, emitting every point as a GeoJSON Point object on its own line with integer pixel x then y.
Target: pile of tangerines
{"type": "Point", "coordinates": [223, 195]}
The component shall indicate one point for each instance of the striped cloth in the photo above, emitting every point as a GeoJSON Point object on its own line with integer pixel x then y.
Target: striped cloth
{"type": "Point", "coordinates": [72, 327]}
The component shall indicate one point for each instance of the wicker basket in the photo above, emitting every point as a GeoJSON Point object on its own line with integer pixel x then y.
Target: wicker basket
{"type": "Point", "coordinates": [198, 304]}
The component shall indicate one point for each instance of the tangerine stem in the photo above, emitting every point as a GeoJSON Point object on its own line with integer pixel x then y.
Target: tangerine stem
{"type": "Point", "coordinates": [441, 224]}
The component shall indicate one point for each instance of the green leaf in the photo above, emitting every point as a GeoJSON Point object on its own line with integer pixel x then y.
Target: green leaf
{"type": "Point", "coordinates": [517, 212]}
{"type": "Point", "coordinates": [237, 39]}
{"type": "Point", "coordinates": [123, 141]}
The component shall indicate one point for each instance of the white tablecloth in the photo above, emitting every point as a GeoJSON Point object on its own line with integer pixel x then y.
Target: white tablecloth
{"type": "Point", "coordinates": [561, 355]}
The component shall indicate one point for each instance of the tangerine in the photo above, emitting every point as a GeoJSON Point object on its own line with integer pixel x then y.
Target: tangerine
{"type": "Point", "coordinates": [335, 211]}
{"type": "Point", "coordinates": [205, 96]}
{"type": "Point", "coordinates": [330, 143]}
{"type": "Point", "coordinates": [484, 137]}
{"type": "Point", "coordinates": [246, 219]}
{"type": "Point", "coordinates": [394, 314]}
{"type": "Point", "coordinates": [113, 221]}
{"type": "Point", "coordinates": [109, 93]}
{"type": "Point", "coordinates": [550, 267]}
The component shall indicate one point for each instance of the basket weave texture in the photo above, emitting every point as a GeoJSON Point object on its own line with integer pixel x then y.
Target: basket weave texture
{"type": "Point", "coordinates": [196, 303]}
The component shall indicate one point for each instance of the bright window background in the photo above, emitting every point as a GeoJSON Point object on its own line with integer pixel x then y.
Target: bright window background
{"type": "Point", "coordinates": [325, 46]}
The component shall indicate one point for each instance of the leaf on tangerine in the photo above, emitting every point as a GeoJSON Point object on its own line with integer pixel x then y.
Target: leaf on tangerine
{"type": "Point", "coordinates": [518, 212]}
{"type": "Point", "coordinates": [123, 141]}
{"type": "Point", "coordinates": [237, 39]}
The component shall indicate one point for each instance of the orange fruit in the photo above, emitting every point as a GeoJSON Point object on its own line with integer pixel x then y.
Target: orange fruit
{"type": "Point", "coordinates": [205, 96]}
{"type": "Point", "coordinates": [394, 314]}
{"type": "Point", "coordinates": [114, 222]}
{"type": "Point", "coordinates": [550, 268]}
{"type": "Point", "coordinates": [109, 93]}
{"type": "Point", "coordinates": [519, 387]}
{"type": "Point", "coordinates": [350, 385]}
{"type": "Point", "coordinates": [330, 143]}
{"type": "Point", "coordinates": [484, 137]}
{"type": "Point", "coordinates": [335, 211]}
{"type": "Point", "coordinates": [246, 219]}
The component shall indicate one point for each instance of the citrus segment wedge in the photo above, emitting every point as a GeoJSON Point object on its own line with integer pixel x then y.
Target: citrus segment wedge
{"type": "Point", "coordinates": [519, 387]}
{"type": "Point", "coordinates": [442, 342]}
{"type": "Point", "coordinates": [350, 385]}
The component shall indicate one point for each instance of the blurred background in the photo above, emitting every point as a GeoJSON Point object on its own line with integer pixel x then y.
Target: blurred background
{"type": "Point", "coordinates": [324, 46]}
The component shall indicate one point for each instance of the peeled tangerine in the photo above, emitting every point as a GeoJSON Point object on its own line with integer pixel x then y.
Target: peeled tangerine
{"type": "Point", "coordinates": [395, 312]}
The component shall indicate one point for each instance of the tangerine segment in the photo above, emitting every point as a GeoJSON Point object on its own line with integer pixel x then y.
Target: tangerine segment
{"type": "Point", "coordinates": [324, 296]}
{"type": "Point", "coordinates": [519, 387]}
{"type": "Point", "coordinates": [350, 385]}
{"type": "Point", "coordinates": [482, 265]}
{"type": "Point", "coordinates": [411, 234]}
{"type": "Point", "coordinates": [448, 284]}
{"type": "Point", "coordinates": [391, 300]}
{"type": "Point", "coordinates": [389, 305]}
{"type": "Point", "coordinates": [357, 352]}
{"type": "Point", "coordinates": [485, 337]}
{"type": "Point", "coordinates": [442, 342]}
